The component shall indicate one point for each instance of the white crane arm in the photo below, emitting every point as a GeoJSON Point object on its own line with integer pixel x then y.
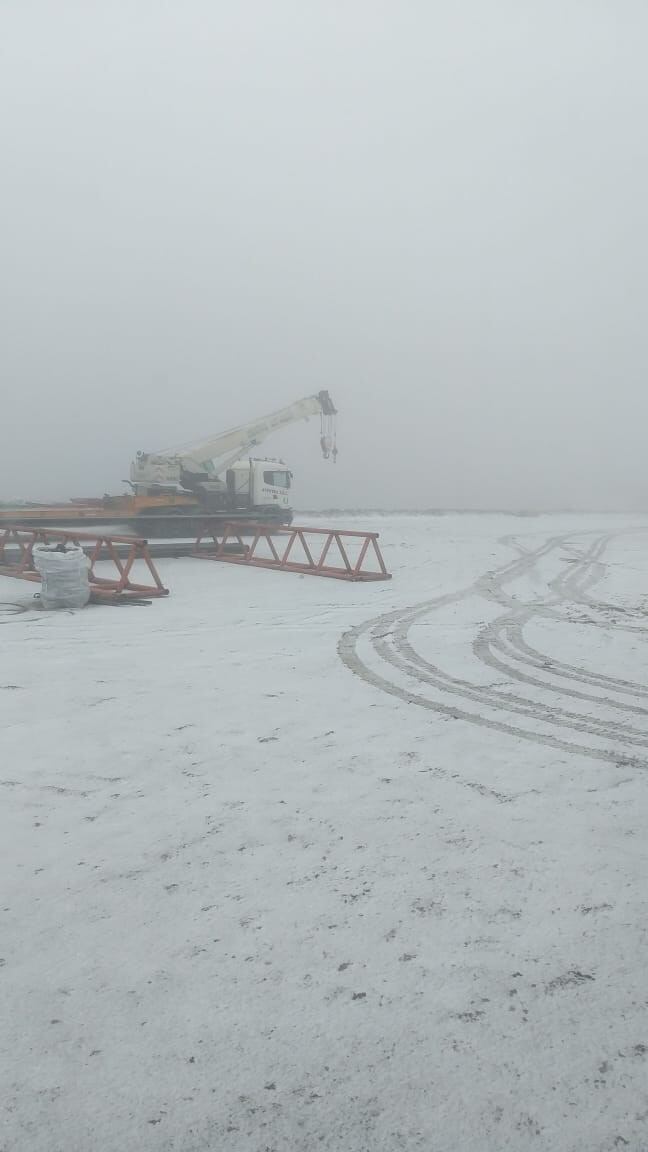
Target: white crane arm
{"type": "Point", "coordinates": [217, 453]}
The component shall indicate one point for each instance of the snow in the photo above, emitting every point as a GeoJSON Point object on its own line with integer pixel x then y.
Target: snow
{"type": "Point", "coordinates": [293, 863]}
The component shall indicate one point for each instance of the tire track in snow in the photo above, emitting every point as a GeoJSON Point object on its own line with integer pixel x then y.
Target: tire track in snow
{"type": "Point", "coordinates": [502, 646]}
{"type": "Point", "coordinates": [423, 683]}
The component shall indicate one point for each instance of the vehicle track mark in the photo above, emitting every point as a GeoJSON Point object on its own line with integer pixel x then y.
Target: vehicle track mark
{"type": "Point", "coordinates": [501, 645]}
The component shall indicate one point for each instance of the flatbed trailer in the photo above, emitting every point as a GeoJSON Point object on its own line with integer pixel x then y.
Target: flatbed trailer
{"type": "Point", "coordinates": [152, 517]}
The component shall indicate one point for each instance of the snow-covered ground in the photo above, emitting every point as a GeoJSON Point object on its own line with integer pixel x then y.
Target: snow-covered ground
{"type": "Point", "coordinates": [294, 864]}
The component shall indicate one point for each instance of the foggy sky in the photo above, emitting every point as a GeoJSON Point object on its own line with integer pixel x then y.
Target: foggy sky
{"type": "Point", "coordinates": [437, 210]}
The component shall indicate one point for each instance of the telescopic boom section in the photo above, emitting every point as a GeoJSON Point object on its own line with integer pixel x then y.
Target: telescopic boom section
{"type": "Point", "coordinates": [217, 453]}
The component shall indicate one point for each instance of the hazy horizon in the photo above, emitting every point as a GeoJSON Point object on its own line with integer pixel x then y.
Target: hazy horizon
{"type": "Point", "coordinates": [434, 210]}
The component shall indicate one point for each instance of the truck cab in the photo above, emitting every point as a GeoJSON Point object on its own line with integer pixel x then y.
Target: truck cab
{"type": "Point", "coordinates": [260, 485]}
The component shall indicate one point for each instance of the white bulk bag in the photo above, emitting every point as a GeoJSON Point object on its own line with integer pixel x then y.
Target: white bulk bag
{"type": "Point", "coordinates": [64, 576]}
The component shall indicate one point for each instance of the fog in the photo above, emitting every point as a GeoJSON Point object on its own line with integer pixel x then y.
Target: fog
{"type": "Point", "coordinates": [434, 209]}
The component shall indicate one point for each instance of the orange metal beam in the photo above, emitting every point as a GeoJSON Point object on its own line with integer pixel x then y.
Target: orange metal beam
{"type": "Point", "coordinates": [97, 546]}
{"type": "Point", "coordinates": [214, 542]}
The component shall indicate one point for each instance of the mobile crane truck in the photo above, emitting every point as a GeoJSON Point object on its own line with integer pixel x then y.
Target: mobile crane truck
{"type": "Point", "coordinates": [223, 476]}
{"type": "Point", "coordinates": [171, 491]}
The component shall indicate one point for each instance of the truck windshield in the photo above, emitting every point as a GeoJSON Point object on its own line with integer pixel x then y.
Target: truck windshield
{"type": "Point", "coordinates": [277, 479]}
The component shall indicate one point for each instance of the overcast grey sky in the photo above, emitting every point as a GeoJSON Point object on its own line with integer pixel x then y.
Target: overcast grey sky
{"type": "Point", "coordinates": [434, 208]}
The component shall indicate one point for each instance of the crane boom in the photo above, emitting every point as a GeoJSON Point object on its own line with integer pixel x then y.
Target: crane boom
{"type": "Point", "coordinates": [215, 454]}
